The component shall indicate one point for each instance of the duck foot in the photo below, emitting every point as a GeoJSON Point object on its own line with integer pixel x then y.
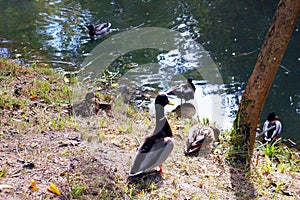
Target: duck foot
{"type": "Point", "coordinates": [160, 169]}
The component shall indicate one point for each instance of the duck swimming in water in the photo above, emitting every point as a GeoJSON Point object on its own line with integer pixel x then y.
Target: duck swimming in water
{"type": "Point", "coordinates": [155, 149]}
{"type": "Point", "coordinates": [100, 29]}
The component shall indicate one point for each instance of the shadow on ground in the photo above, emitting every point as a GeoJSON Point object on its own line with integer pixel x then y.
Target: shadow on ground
{"type": "Point", "coordinates": [145, 182]}
{"type": "Point", "coordinates": [240, 183]}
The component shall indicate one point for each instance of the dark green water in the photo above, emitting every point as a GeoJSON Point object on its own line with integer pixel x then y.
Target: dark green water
{"type": "Point", "coordinates": [231, 31]}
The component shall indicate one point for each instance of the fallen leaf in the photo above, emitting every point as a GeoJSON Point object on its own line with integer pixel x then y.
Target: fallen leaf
{"type": "Point", "coordinates": [54, 189]}
{"type": "Point", "coordinates": [33, 97]}
{"type": "Point", "coordinates": [32, 185]}
{"type": "Point", "coordinates": [114, 85]}
{"type": "Point", "coordinates": [2, 172]}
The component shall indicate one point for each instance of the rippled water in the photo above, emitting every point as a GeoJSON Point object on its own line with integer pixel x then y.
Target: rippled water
{"type": "Point", "coordinates": [54, 32]}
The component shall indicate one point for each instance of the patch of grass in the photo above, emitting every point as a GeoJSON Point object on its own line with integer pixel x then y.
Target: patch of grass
{"type": "Point", "coordinates": [58, 123]}
{"type": "Point", "coordinates": [121, 129]}
{"type": "Point", "coordinates": [10, 102]}
{"type": "Point", "coordinates": [101, 137]}
{"type": "Point", "coordinates": [128, 191]}
{"type": "Point", "coordinates": [78, 190]}
{"type": "Point", "coordinates": [186, 128]}
{"type": "Point", "coordinates": [102, 122]}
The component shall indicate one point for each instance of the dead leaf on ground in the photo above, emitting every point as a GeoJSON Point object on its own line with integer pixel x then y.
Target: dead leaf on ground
{"type": "Point", "coordinates": [52, 188]}
{"type": "Point", "coordinates": [32, 185]}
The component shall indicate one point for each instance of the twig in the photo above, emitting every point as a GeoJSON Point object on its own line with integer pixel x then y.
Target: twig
{"type": "Point", "coordinates": [245, 54]}
{"type": "Point", "coordinates": [292, 142]}
{"type": "Point", "coordinates": [137, 140]}
{"type": "Point", "coordinates": [285, 68]}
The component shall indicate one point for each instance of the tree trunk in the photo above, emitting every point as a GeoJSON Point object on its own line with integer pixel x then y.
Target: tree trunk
{"type": "Point", "coordinates": [260, 81]}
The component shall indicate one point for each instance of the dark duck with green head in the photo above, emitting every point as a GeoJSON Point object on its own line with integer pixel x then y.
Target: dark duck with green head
{"type": "Point", "coordinates": [272, 127]}
{"type": "Point", "coordinates": [155, 149]}
{"type": "Point", "coordinates": [100, 29]}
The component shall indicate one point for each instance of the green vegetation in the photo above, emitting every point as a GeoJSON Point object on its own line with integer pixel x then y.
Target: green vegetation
{"type": "Point", "coordinates": [33, 97]}
{"type": "Point", "coordinates": [77, 191]}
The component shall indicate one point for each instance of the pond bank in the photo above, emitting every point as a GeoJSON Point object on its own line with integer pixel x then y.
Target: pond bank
{"type": "Point", "coordinates": [89, 157]}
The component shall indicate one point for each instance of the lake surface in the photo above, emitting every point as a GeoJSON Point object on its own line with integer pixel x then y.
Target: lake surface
{"type": "Point", "coordinates": [230, 32]}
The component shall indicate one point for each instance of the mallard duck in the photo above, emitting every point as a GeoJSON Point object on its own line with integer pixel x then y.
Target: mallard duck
{"type": "Point", "coordinates": [200, 137]}
{"type": "Point", "coordinates": [83, 108]}
{"type": "Point", "coordinates": [100, 29]}
{"type": "Point", "coordinates": [155, 149]}
{"type": "Point", "coordinates": [90, 106]}
{"type": "Point", "coordinates": [184, 91]}
{"type": "Point", "coordinates": [272, 127]}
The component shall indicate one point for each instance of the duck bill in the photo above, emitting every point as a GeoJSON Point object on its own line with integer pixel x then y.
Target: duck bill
{"type": "Point", "coordinates": [170, 103]}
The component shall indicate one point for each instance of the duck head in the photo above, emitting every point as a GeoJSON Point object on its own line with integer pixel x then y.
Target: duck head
{"type": "Point", "coordinates": [90, 27]}
{"type": "Point", "coordinates": [162, 100]}
{"type": "Point", "coordinates": [91, 30]}
{"type": "Point", "coordinates": [190, 79]}
{"type": "Point", "coordinates": [272, 116]}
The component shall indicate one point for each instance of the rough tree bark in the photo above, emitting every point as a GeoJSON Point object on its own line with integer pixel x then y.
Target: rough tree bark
{"type": "Point", "coordinates": [260, 81]}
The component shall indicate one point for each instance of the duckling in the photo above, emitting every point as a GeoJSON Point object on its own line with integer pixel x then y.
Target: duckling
{"type": "Point", "coordinates": [200, 137]}
{"type": "Point", "coordinates": [155, 149]}
{"type": "Point", "coordinates": [184, 91]}
{"type": "Point", "coordinates": [100, 29]}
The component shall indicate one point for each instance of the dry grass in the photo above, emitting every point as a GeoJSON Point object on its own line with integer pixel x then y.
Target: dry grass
{"type": "Point", "coordinates": [89, 158]}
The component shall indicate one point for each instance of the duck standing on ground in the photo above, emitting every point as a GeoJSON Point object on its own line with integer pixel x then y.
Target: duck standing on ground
{"type": "Point", "coordinates": [184, 91]}
{"type": "Point", "coordinates": [272, 121]}
{"type": "Point", "coordinates": [91, 106]}
{"type": "Point", "coordinates": [100, 29]}
{"type": "Point", "coordinates": [155, 149]}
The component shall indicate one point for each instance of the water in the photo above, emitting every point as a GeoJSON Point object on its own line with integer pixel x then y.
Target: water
{"type": "Point", "coordinates": [54, 32]}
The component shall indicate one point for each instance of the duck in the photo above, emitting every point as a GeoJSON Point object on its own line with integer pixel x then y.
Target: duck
{"type": "Point", "coordinates": [186, 110]}
{"type": "Point", "coordinates": [184, 91]}
{"type": "Point", "coordinates": [83, 108]}
{"type": "Point", "coordinates": [100, 29]}
{"type": "Point", "coordinates": [272, 127]}
{"type": "Point", "coordinates": [200, 137]}
{"type": "Point", "coordinates": [156, 148]}
{"type": "Point", "coordinates": [90, 106]}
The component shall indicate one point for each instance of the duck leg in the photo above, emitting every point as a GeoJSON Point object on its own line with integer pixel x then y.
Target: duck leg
{"type": "Point", "coordinates": [160, 169]}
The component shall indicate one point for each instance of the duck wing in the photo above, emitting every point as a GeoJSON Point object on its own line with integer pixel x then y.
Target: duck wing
{"type": "Point", "coordinates": [184, 91]}
{"type": "Point", "coordinates": [153, 157]}
{"type": "Point", "coordinates": [102, 28]}
{"type": "Point", "coordinates": [172, 90]}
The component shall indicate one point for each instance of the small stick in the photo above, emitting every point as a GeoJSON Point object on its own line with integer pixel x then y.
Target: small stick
{"type": "Point", "coordinates": [137, 140]}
